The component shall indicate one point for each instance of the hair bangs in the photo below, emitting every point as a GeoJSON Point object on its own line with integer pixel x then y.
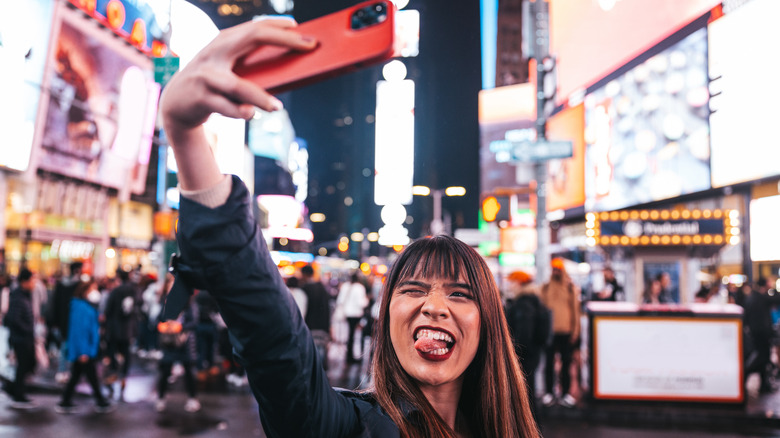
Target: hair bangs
{"type": "Point", "coordinates": [434, 257]}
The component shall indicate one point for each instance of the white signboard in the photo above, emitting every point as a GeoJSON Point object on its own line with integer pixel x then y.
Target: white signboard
{"type": "Point", "coordinates": [678, 359]}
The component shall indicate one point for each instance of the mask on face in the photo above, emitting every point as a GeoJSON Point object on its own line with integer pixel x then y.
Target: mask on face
{"type": "Point", "coordinates": [93, 297]}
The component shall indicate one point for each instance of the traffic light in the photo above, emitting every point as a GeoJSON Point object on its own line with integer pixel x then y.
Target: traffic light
{"type": "Point", "coordinates": [496, 208]}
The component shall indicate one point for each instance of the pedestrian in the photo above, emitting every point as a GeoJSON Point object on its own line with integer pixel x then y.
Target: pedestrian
{"type": "Point", "coordinates": [83, 340]}
{"type": "Point", "coordinates": [758, 319]}
{"type": "Point", "coordinates": [352, 301]}
{"type": "Point", "coordinates": [21, 338]}
{"type": "Point", "coordinates": [654, 293]}
{"type": "Point", "coordinates": [562, 297]}
{"type": "Point", "coordinates": [300, 297]}
{"type": "Point", "coordinates": [530, 324]}
{"type": "Point", "coordinates": [60, 311]}
{"type": "Point", "coordinates": [178, 345]}
{"type": "Point", "coordinates": [669, 293]}
{"type": "Point", "coordinates": [444, 363]}
{"type": "Point", "coordinates": [206, 333]}
{"type": "Point", "coordinates": [612, 290]}
{"type": "Point", "coordinates": [121, 318]}
{"type": "Point", "coordinates": [317, 315]}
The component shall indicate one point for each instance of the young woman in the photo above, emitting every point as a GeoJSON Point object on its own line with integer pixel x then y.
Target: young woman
{"type": "Point", "coordinates": [83, 339]}
{"type": "Point", "coordinates": [444, 366]}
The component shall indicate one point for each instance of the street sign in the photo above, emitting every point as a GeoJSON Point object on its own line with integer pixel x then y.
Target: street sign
{"type": "Point", "coordinates": [164, 68]}
{"type": "Point", "coordinates": [527, 151]}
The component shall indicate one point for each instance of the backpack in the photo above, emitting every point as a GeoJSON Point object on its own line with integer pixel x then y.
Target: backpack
{"type": "Point", "coordinates": [529, 321]}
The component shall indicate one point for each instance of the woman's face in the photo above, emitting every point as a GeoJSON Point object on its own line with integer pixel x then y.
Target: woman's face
{"type": "Point", "coordinates": [434, 328]}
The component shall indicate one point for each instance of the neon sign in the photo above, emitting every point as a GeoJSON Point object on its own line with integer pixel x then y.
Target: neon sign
{"type": "Point", "coordinates": [132, 20]}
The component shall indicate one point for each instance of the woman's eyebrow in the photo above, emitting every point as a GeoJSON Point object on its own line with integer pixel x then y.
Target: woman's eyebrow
{"type": "Point", "coordinates": [414, 283]}
{"type": "Point", "coordinates": [459, 285]}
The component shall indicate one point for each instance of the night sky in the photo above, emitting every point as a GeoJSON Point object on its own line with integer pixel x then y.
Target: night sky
{"type": "Point", "coordinates": [447, 77]}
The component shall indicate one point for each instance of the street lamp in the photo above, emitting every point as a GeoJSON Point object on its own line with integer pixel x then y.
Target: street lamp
{"type": "Point", "coordinates": [437, 224]}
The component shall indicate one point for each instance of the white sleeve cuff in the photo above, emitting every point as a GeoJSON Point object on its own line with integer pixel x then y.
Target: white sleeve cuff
{"type": "Point", "coordinates": [211, 197]}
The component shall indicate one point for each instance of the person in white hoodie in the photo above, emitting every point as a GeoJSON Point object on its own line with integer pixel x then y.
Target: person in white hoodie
{"type": "Point", "coordinates": [352, 300]}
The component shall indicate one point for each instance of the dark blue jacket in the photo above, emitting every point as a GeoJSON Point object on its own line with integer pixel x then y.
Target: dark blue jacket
{"type": "Point", "coordinates": [19, 318]}
{"type": "Point", "coordinates": [223, 251]}
{"type": "Point", "coordinates": [84, 330]}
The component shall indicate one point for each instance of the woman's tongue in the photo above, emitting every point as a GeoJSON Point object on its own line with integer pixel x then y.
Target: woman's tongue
{"type": "Point", "coordinates": [427, 345]}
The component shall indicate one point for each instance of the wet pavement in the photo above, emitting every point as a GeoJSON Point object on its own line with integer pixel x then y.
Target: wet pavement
{"type": "Point", "coordinates": [231, 411]}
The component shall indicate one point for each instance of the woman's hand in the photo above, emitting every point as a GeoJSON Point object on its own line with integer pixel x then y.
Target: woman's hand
{"type": "Point", "coordinates": [208, 85]}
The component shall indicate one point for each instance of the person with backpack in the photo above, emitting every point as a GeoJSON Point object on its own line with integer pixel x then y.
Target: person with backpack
{"type": "Point", "coordinates": [178, 345]}
{"type": "Point", "coordinates": [121, 317]}
{"type": "Point", "coordinates": [562, 297]}
{"type": "Point", "coordinates": [530, 324]}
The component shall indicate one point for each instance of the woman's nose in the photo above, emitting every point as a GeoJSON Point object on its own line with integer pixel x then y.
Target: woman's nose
{"type": "Point", "coordinates": [435, 306]}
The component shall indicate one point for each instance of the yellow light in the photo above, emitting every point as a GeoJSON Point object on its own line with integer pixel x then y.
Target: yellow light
{"type": "Point", "coordinates": [398, 248]}
{"type": "Point", "coordinates": [624, 240]}
{"type": "Point", "coordinates": [718, 239]}
{"type": "Point", "coordinates": [734, 231]}
{"type": "Point", "coordinates": [381, 269]}
{"type": "Point", "coordinates": [707, 239]}
{"type": "Point", "coordinates": [655, 240]}
{"type": "Point", "coordinates": [695, 214]}
{"type": "Point", "coordinates": [734, 240]}
{"type": "Point", "coordinates": [654, 214]}
{"type": "Point", "coordinates": [614, 216]}
{"type": "Point", "coordinates": [373, 236]}
{"type": "Point", "coordinates": [665, 240]}
{"type": "Point", "coordinates": [733, 214]}
{"type": "Point", "coordinates": [110, 253]}
{"type": "Point", "coordinates": [590, 232]}
{"type": "Point", "coordinates": [675, 214]}
{"type": "Point", "coordinates": [717, 214]}
{"type": "Point", "coordinates": [635, 241]}
{"type": "Point", "coordinates": [614, 240]}
{"type": "Point", "coordinates": [590, 217]}
{"type": "Point", "coordinates": [591, 241]}
{"type": "Point", "coordinates": [455, 191]}
{"type": "Point", "coordinates": [634, 214]}
{"type": "Point", "coordinates": [288, 270]}
{"type": "Point", "coordinates": [706, 214]}
{"type": "Point", "coordinates": [686, 214]}
{"type": "Point", "coordinates": [697, 239]}
{"type": "Point", "coordinates": [317, 217]}
{"type": "Point", "coordinates": [604, 216]}
{"type": "Point", "coordinates": [357, 237]}
{"type": "Point", "coordinates": [283, 241]}
{"type": "Point", "coordinates": [421, 190]}
{"type": "Point", "coordinates": [644, 240]}
{"type": "Point", "coordinates": [322, 251]}
{"type": "Point", "coordinates": [343, 246]}
{"type": "Point", "coordinates": [734, 222]}
{"type": "Point", "coordinates": [665, 214]}
{"type": "Point", "coordinates": [344, 239]}
{"type": "Point", "coordinates": [686, 240]}
{"type": "Point", "coordinates": [604, 240]}
{"type": "Point", "coordinates": [623, 215]}
{"type": "Point", "coordinates": [676, 240]}
{"type": "Point", "coordinates": [365, 268]}
{"type": "Point", "coordinates": [644, 214]}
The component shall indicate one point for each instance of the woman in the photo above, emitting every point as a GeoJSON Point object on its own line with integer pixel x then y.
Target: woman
{"type": "Point", "coordinates": [83, 340]}
{"type": "Point", "coordinates": [444, 366]}
{"type": "Point", "coordinates": [653, 293]}
{"type": "Point", "coordinates": [352, 300]}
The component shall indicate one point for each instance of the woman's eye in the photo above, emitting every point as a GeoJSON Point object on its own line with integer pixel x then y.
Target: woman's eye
{"type": "Point", "coordinates": [460, 294]}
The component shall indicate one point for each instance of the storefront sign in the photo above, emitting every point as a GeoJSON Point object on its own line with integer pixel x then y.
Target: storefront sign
{"type": "Point", "coordinates": [663, 227]}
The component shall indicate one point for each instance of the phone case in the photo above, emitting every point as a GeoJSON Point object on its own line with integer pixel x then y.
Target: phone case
{"type": "Point", "coordinates": [340, 49]}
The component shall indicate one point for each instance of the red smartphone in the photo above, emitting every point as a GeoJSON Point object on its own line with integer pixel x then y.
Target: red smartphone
{"type": "Point", "coordinates": [348, 39]}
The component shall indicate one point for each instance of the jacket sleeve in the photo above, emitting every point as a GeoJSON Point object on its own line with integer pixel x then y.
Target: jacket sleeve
{"type": "Point", "coordinates": [223, 251]}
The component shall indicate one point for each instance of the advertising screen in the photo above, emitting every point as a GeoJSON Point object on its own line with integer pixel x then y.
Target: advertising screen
{"type": "Point", "coordinates": [101, 108]}
{"type": "Point", "coordinates": [566, 177]}
{"type": "Point", "coordinates": [743, 69]}
{"type": "Point", "coordinates": [24, 38]}
{"type": "Point", "coordinates": [764, 232]}
{"type": "Point", "coordinates": [647, 131]}
{"type": "Point", "coordinates": [682, 359]}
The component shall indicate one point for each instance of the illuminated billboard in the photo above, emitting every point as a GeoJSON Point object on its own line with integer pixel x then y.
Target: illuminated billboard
{"type": "Point", "coordinates": [646, 129]}
{"type": "Point", "coordinates": [101, 110]}
{"type": "Point", "coordinates": [24, 38]}
{"type": "Point", "coordinates": [566, 177]}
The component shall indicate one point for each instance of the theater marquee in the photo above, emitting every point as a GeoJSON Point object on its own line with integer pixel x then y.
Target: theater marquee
{"type": "Point", "coordinates": [663, 227]}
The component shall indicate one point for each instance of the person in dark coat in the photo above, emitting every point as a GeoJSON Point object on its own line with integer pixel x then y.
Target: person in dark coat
{"type": "Point", "coordinates": [317, 312]}
{"type": "Point", "coordinates": [60, 316]}
{"type": "Point", "coordinates": [758, 319]}
{"type": "Point", "coordinates": [444, 363]}
{"type": "Point", "coordinates": [83, 340]}
{"type": "Point", "coordinates": [178, 345]}
{"type": "Point", "coordinates": [121, 316]}
{"type": "Point", "coordinates": [21, 337]}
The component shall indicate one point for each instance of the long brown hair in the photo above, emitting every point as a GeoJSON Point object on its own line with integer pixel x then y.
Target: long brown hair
{"type": "Point", "coordinates": [494, 398]}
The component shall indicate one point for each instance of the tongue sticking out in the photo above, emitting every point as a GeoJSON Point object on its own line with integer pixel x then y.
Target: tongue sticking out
{"type": "Point", "coordinates": [427, 344]}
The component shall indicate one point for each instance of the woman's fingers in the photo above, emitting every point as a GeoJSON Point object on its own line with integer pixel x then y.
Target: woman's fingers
{"type": "Point", "coordinates": [236, 42]}
{"type": "Point", "coordinates": [242, 91]}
